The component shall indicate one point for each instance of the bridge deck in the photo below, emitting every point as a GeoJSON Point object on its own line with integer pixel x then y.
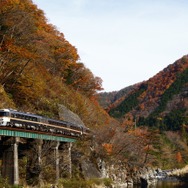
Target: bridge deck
{"type": "Point", "coordinates": [15, 133]}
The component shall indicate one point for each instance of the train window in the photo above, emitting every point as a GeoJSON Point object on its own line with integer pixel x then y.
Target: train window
{"type": "Point", "coordinates": [28, 117]}
{"type": "Point", "coordinates": [34, 119]}
{"type": "Point", "coordinates": [17, 115]}
{"type": "Point", "coordinates": [4, 114]}
{"type": "Point", "coordinates": [20, 116]}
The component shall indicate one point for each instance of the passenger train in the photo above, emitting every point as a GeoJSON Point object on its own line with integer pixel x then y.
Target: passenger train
{"type": "Point", "coordinates": [32, 122]}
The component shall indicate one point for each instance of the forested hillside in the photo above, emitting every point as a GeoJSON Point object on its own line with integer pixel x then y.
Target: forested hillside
{"type": "Point", "coordinates": [154, 102]}
{"type": "Point", "coordinates": [154, 118]}
{"type": "Point", "coordinates": [40, 69]}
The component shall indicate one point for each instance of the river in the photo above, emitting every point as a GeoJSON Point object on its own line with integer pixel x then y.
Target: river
{"type": "Point", "coordinates": [167, 184]}
{"type": "Point", "coordinates": [171, 184]}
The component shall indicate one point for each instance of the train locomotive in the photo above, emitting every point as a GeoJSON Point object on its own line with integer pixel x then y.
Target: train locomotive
{"type": "Point", "coordinates": [34, 123]}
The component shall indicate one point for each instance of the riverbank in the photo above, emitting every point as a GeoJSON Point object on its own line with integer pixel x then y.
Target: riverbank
{"type": "Point", "coordinates": [181, 174]}
{"type": "Point", "coordinates": [122, 176]}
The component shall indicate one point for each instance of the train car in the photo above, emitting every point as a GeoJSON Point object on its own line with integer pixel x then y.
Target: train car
{"type": "Point", "coordinates": [67, 128]}
{"type": "Point", "coordinates": [4, 117]}
{"type": "Point", "coordinates": [13, 118]}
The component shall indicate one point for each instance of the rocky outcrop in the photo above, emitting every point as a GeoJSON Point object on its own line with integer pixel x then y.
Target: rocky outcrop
{"type": "Point", "coordinates": [89, 170]}
{"type": "Point", "coordinates": [68, 115]}
{"type": "Point", "coordinates": [181, 174]}
{"type": "Point", "coordinates": [123, 175]}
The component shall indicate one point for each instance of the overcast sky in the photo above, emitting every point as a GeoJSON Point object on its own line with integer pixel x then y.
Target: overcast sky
{"type": "Point", "coordinates": [122, 41]}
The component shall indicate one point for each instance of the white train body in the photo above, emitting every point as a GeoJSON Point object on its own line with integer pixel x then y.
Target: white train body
{"type": "Point", "coordinates": [4, 118]}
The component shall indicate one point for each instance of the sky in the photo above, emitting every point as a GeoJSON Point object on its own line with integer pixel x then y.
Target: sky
{"type": "Point", "coordinates": [122, 41]}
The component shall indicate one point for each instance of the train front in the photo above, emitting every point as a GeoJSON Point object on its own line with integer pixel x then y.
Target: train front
{"type": "Point", "coordinates": [4, 117]}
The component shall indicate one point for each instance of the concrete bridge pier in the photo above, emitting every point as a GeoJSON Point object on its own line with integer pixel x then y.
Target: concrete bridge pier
{"type": "Point", "coordinates": [70, 159]}
{"type": "Point", "coordinates": [39, 154]}
{"type": "Point", "coordinates": [57, 161]}
{"type": "Point", "coordinates": [15, 159]}
{"type": "Point", "coordinates": [10, 167]}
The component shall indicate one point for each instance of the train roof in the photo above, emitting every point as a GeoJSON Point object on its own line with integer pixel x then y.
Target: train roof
{"type": "Point", "coordinates": [22, 113]}
{"type": "Point", "coordinates": [5, 110]}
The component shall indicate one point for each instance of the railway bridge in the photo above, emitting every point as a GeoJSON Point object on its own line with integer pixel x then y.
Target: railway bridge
{"type": "Point", "coordinates": [18, 141]}
{"type": "Point", "coordinates": [15, 143]}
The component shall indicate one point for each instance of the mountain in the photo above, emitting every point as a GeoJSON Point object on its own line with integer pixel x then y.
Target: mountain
{"type": "Point", "coordinates": [107, 98]}
{"type": "Point", "coordinates": [153, 102]}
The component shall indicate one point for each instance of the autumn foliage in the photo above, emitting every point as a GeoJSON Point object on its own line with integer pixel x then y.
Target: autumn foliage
{"type": "Point", "coordinates": [151, 102]}
{"type": "Point", "coordinates": [28, 43]}
{"type": "Point", "coordinates": [154, 116]}
{"type": "Point", "coordinates": [40, 69]}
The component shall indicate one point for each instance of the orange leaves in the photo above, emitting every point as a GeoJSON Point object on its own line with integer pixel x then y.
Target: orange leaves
{"type": "Point", "coordinates": [108, 148]}
{"type": "Point", "coordinates": [142, 106]}
{"type": "Point", "coordinates": [179, 157]}
{"type": "Point", "coordinates": [129, 121]}
{"type": "Point", "coordinates": [21, 52]}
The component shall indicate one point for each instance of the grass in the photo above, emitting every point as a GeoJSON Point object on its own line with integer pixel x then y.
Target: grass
{"type": "Point", "coordinates": [74, 183]}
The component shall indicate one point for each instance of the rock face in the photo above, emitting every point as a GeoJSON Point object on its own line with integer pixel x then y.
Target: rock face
{"type": "Point", "coordinates": [123, 175]}
{"type": "Point", "coordinates": [67, 115]}
{"type": "Point", "coordinates": [89, 170]}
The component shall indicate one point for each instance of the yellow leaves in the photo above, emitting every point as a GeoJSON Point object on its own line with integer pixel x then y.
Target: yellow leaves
{"type": "Point", "coordinates": [5, 101]}
{"type": "Point", "coordinates": [7, 5]}
{"type": "Point", "coordinates": [60, 50]}
{"type": "Point", "coordinates": [16, 1]}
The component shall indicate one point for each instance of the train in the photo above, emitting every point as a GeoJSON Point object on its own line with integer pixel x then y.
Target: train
{"type": "Point", "coordinates": [35, 123]}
